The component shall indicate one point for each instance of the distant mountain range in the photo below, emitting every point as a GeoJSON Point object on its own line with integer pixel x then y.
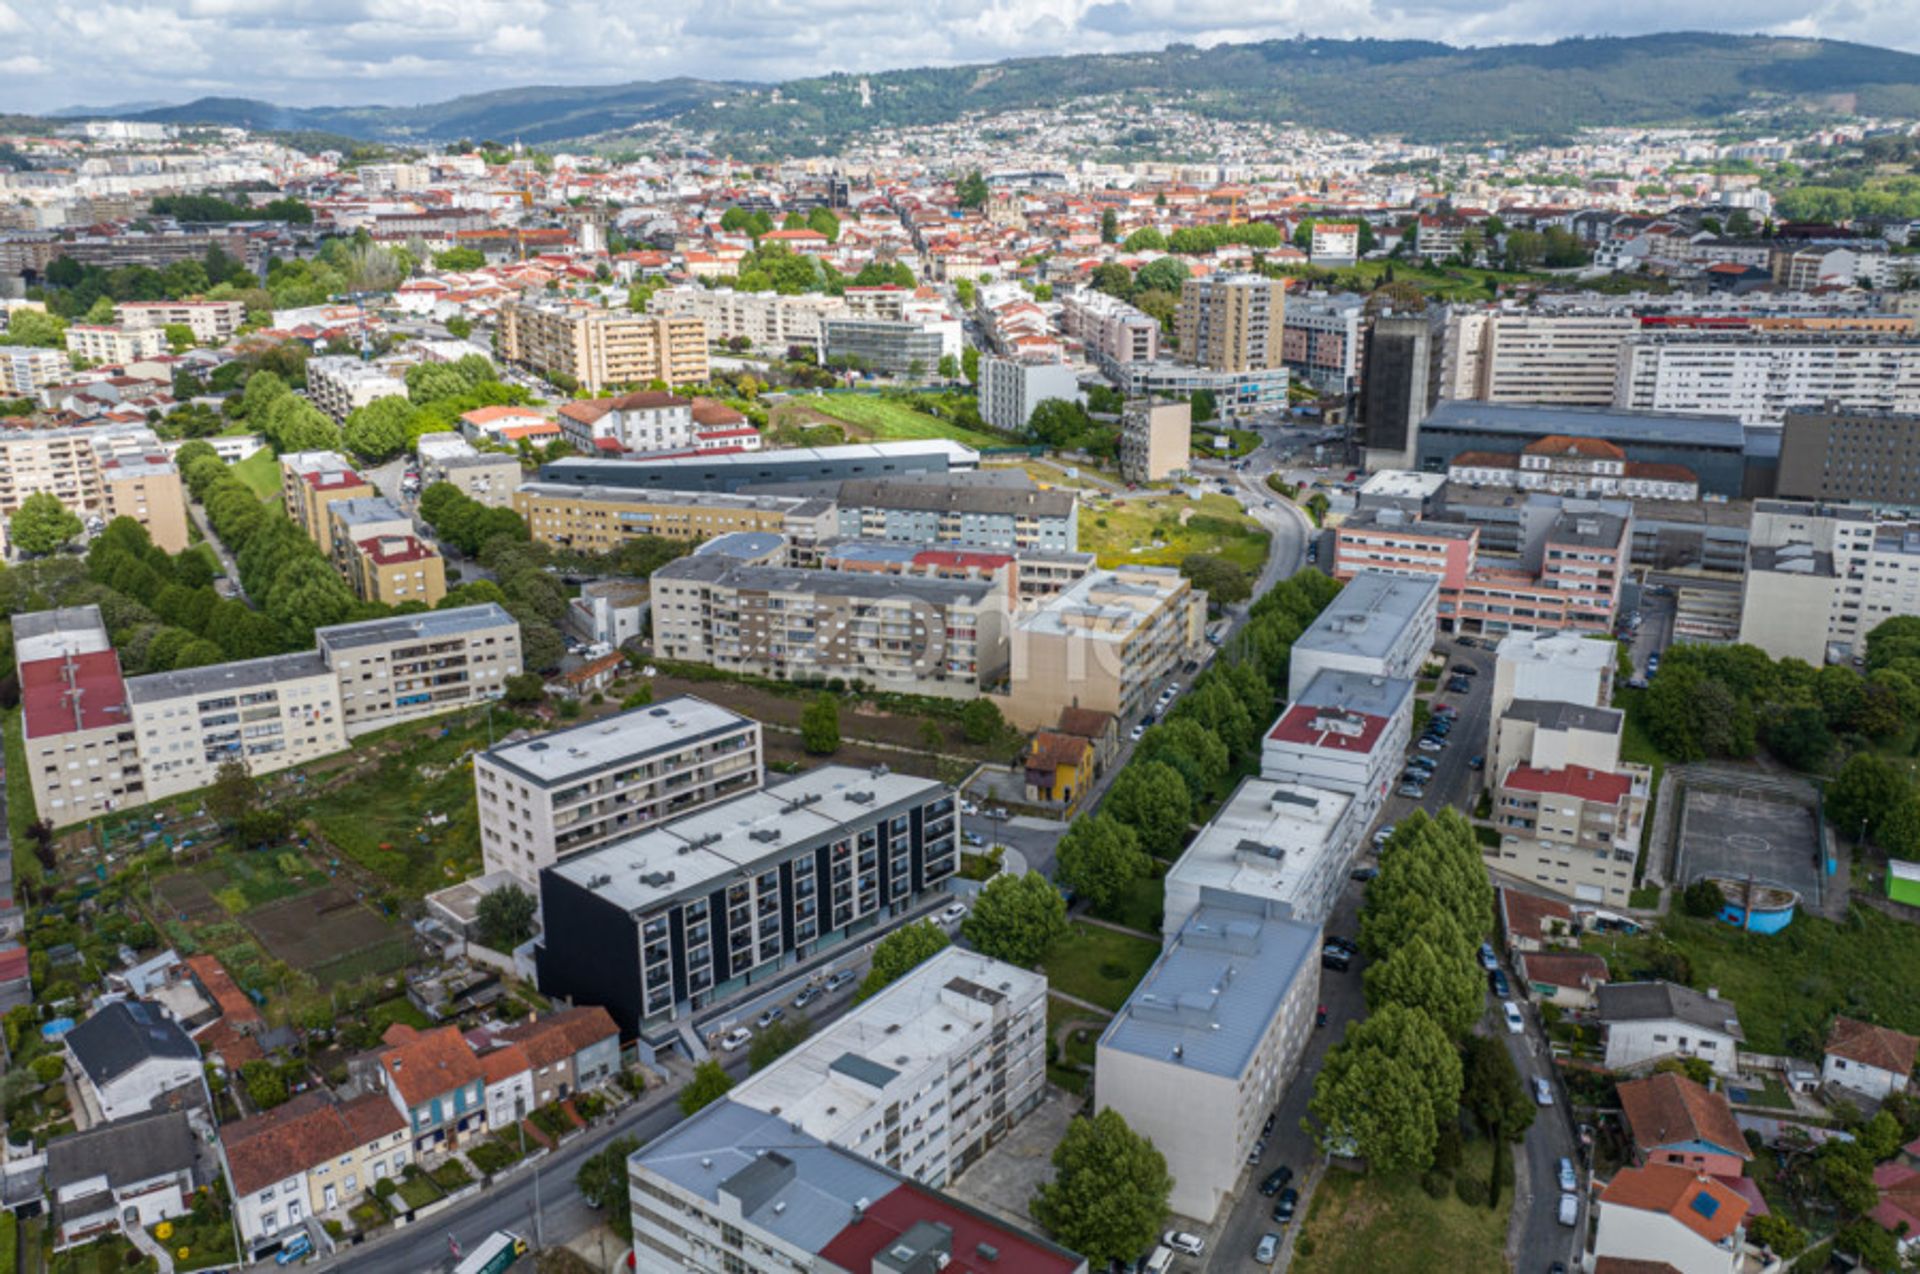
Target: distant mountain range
{"type": "Point", "coordinates": [1422, 90]}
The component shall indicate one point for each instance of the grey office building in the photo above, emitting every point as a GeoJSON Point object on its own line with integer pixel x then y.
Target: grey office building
{"type": "Point", "coordinates": [1399, 383]}
{"type": "Point", "coordinates": [882, 345]}
{"type": "Point", "coordinates": [734, 470]}
{"type": "Point", "coordinates": [1830, 454]}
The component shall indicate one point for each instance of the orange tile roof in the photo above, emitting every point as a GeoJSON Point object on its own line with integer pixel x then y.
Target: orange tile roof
{"type": "Point", "coordinates": [306, 1132]}
{"type": "Point", "coordinates": [503, 1063]}
{"type": "Point", "coordinates": [429, 1064]}
{"type": "Point", "coordinates": [1695, 1200]}
{"type": "Point", "coordinates": [1870, 1045]}
{"type": "Point", "coordinates": [218, 983]}
{"type": "Point", "coordinates": [1668, 1108]}
{"type": "Point", "coordinates": [559, 1036]}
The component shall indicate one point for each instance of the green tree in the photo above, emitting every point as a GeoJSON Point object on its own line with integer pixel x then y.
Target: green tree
{"type": "Point", "coordinates": [820, 725]}
{"type": "Point", "coordinates": [1146, 239]}
{"type": "Point", "coordinates": [1100, 859]}
{"type": "Point", "coordinates": [1846, 1170]}
{"type": "Point", "coordinates": [1223, 580]}
{"type": "Point", "coordinates": [1899, 832]}
{"type": "Point", "coordinates": [1017, 919]}
{"type": "Point", "coordinates": [266, 1088]}
{"type": "Point", "coordinates": [179, 336]}
{"type": "Point", "coordinates": [777, 1040]}
{"type": "Point", "coordinates": [899, 952]}
{"type": "Point", "coordinates": [1164, 274]}
{"type": "Point", "coordinates": [981, 722]}
{"type": "Point", "coordinates": [1422, 973]}
{"type": "Point", "coordinates": [1491, 1090]}
{"type": "Point", "coordinates": [1800, 737]}
{"type": "Point", "coordinates": [1109, 226]}
{"type": "Point", "coordinates": [1867, 788]}
{"type": "Point", "coordinates": [505, 917]}
{"type": "Point", "coordinates": [36, 328]}
{"type": "Point", "coordinates": [459, 327]}
{"type": "Point", "coordinates": [1112, 278]}
{"type": "Point", "coordinates": [602, 1178]}
{"type": "Point", "coordinates": [823, 220]}
{"type": "Point", "coordinates": [1776, 1231]}
{"type": "Point", "coordinates": [378, 431]}
{"type": "Point", "coordinates": [459, 259]}
{"type": "Point", "coordinates": [1198, 755]}
{"type": "Point", "coordinates": [42, 524]}
{"type": "Point", "coordinates": [1205, 405]}
{"type": "Point", "coordinates": [971, 190]}
{"type": "Point", "coordinates": [708, 1085]}
{"type": "Point", "coordinates": [1109, 1191]}
{"type": "Point", "coordinates": [1383, 1090]}
{"type": "Point", "coordinates": [970, 364]}
{"type": "Point", "coordinates": [949, 368]}
{"type": "Point", "coordinates": [1152, 799]}
{"type": "Point", "coordinates": [1703, 899]}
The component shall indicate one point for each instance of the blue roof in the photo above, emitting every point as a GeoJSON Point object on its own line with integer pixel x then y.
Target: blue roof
{"type": "Point", "coordinates": [1211, 996]}
{"type": "Point", "coordinates": [1611, 424]}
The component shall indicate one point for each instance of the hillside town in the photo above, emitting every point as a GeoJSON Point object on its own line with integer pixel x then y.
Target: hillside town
{"type": "Point", "coordinates": [638, 708]}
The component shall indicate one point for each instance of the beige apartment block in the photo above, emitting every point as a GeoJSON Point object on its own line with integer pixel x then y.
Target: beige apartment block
{"type": "Point", "coordinates": [595, 519]}
{"type": "Point", "coordinates": [269, 713]}
{"type": "Point", "coordinates": [81, 757]}
{"type": "Point", "coordinates": [1232, 322]}
{"type": "Point", "coordinates": [96, 473]}
{"type": "Point", "coordinates": [1513, 356]}
{"type": "Point", "coordinates": [597, 348]}
{"type": "Point", "coordinates": [106, 343]}
{"type": "Point", "coordinates": [211, 322]}
{"type": "Point", "coordinates": [410, 666]}
{"type": "Point", "coordinates": [312, 480]}
{"type": "Point", "coordinates": [1103, 644]}
{"type": "Point", "coordinates": [396, 568]}
{"type": "Point", "coordinates": [1156, 440]}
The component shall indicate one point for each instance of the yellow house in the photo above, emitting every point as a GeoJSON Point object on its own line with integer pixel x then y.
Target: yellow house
{"type": "Point", "coordinates": [1059, 767]}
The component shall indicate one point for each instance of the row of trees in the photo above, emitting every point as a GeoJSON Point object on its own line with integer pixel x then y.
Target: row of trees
{"type": "Point", "coordinates": [288, 421]}
{"type": "Point", "coordinates": [213, 208]}
{"type": "Point", "coordinates": [74, 289]}
{"type": "Point", "coordinates": [464, 522]}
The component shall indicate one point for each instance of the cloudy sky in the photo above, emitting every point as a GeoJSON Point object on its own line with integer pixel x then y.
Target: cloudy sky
{"type": "Point", "coordinates": [61, 53]}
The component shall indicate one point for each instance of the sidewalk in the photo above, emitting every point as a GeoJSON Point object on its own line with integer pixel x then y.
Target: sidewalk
{"type": "Point", "coordinates": [149, 1246]}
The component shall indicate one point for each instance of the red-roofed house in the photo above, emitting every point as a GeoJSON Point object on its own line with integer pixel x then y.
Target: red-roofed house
{"type": "Point", "coordinates": [909, 1228]}
{"type": "Point", "coordinates": [1898, 1210]}
{"type": "Point", "coordinates": [506, 424]}
{"type": "Point", "coordinates": [435, 1082]}
{"type": "Point", "coordinates": [1665, 1213]}
{"type": "Point", "coordinates": [1869, 1059]}
{"type": "Point", "coordinates": [509, 1080]}
{"type": "Point", "coordinates": [1676, 1121]}
{"type": "Point", "coordinates": [1059, 767]}
{"type": "Point", "coordinates": [570, 1051]}
{"type": "Point", "coordinates": [396, 568]}
{"type": "Point", "coordinates": [1533, 923]}
{"type": "Point", "coordinates": [646, 421]}
{"type": "Point", "coordinates": [1569, 979]}
{"type": "Point", "coordinates": [590, 677]}
{"type": "Point", "coordinates": [309, 1157]}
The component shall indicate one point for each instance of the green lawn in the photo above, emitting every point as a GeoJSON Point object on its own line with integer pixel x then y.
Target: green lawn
{"type": "Point", "coordinates": [1080, 1045]}
{"type": "Point", "coordinates": [1144, 529]}
{"type": "Point", "coordinates": [1239, 441]}
{"type": "Point", "coordinates": [1788, 986]}
{"type": "Point", "coordinates": [889, 421]}
{"type": "Point", "coordinates": [1098, 965]}
{"type": "Point", "coordinates": [1388, 1224]}
{"type": "Point", "coordinates": [261, 472]}
{"type": "Point", "coordinates": [1141, 905]}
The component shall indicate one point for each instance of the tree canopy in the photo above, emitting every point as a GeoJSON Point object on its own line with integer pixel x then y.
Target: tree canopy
{"type": "Point", "coordinates": [1109, 1193]}
{"type": "Point", "coordinates": [1017, 919]}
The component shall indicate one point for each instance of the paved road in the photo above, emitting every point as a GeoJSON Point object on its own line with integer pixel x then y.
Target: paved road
{"type": "Point", "coordinates": [1542, 1239]}
{"type": "Point", "coordinates": [1455, 783]}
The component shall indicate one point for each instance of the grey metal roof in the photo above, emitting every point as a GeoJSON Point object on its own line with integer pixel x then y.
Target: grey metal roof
{"type": "Point", "coordinates": [1358, 692]}
{"type": "Point", "coordinates": [1211, 996]}
{"type": "Point", "coordinates": [124, 1034]}
{"type": "Point", "coordinates": [366, 508]}
{"type": "Point", "coordinates": [1551, 714]}
{"type": "Point", "coordinates": [1668, 1001]}
{"type": "Point", "coordinates": [427, 624]}
{"type": "Point", "coordinates": [1587, 529]}
{"type": "Point", "coordinates": [565, 756]}
{"type": "Point", "coordinates": [125, 1151]}
{"type": "Point", "coordinates": [743, 545]}
{"type": "Point", "coordinates": [214, 678]}
{"type": "Point", "coordinates": [864, 1069]}
{"type": "Point", "coordinates": [719, 1148]}
{"type": "Point", "coordinates": [1613, 425]}
{"type": "Point", "coordinates": [1370, 614]}
{"type": "Point", "coordinates": [958, 494]}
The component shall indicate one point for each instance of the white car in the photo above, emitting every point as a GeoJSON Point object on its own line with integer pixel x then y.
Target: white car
{"type": "Point", "coordinates": [1568, 1182]}
{"type": "Point", "coordinates": [1515, 1023]}
{"type": "Point", "coordinates": [953, 914]}
{"type": "Point", "coordinates": [735, 1039]}
{"type": "Point", "coordinates": [1135, 733]}
{"type": "Point", "coordinates": [969, 808]}
{"type": "Point", "coordinates": [1542, 1091]}
{"type": "Point", "coordinates": [1569, 1209]}
{"type": "Point", "coordinates": [1181, 1241]}
{"type": "Point", "coordinates": [1430, 745]}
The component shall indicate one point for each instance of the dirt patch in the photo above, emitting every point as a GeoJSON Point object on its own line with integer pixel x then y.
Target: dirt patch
{"type": "Point", "coordinates": [316, 928]}
{"type": "Point", "coordinates": [187, 897]}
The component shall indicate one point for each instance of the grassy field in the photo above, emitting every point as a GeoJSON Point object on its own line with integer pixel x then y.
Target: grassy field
{"type": "Point", "coordinates": [261, 472]}
{"type": "Point", "coordinates": [883, 420]}
{"type": "Point", "coordinates": [1099, 965]}
{"type": "Point", "coordinates": [1787, 986]}
{"type": "Point", "coordinates": [1159, 530]}
{"type": "Point", "coordinates": [1387, 1225]}
{"type": "Point", "coordinates": [1140, 906]}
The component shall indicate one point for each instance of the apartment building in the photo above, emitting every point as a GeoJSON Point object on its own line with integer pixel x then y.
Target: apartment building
{"type": "Point", "coordinates": [1842, 456]}
{"type": "Point", "coordinates": [1759, 377]}
{"type": "Point", "coordinates": [731, 472]}
{"type": "Point", "coordinates": [1380, 625]}
{"type": "Point", "coordinates": [595, 349]}
{"type": "Point", "coordinates": [310, 481]}
{"type": "Point", "coordinates": [270, 713]}
{"type": "Point", "coordinates": [890, 347]}
{"type": "Point", "coordinates": [546, 798]}
{"type": "Point", "coordinates": [1344, 732]}
{"type": "Point", "coordinates": [769, 320]}
{"type": "Point", "coordinates": [679, 918]}
{"type": "Point", "coordinates": [1322, 339]}
{"type": "Point", "coordinates": [341, 384]}
{"type": "Point", "coordinates": [647, 421]}
{"type": "Point", "coordinates": [595, 519]}
{"type": "Point", "coordinates": [1028, 577]}
{"type": "Point", "coordinates": [211, 322]}
{"type": "Point", "coordinates": [1520, 356]}
{"type": "Point", "coordinates": [98, 473]}
{"type": "Point", "coordinates": [1112, 333]}
{"type": "Point", "coordinates": [411, 666]}
{"type": "Point", "coordinates": [1390, 541]}
{"type": "Point", "coordinates": [1104, 644]}
{"type": "Point", "coordinates": [1221, 1020]}
{"type": "Point", "coordinates": [491, 477]}
{"type": "Point", "coordinates": [1010, 389]}
{"type": "Point", "coordinates": [1006, 514]}
{"type": "Point", "coordinates": [1562, 667]}
{"type": "Point", "coordinates": [392, 569]}
{"type": "Point", "coordinates": [1820, 578]}
{"type": "Point", "coordinates": [913, 635]}
{"type": "Point", "coordinates": [25, 370]}
{"type": "Point", "coordinates": [1285, 844]}
{"type": "Point", "coordinates": [1334, 243]}
{"type": "Point", "coordinates": [1582, 467]}
{"type": "Point", "coordinates": [1232, 322]}
{"type": "Point", "coordinates": [110, 343]}
{"type": "Point", "coordinates": [82, 757]}
{"type": "Point", "coordinates": [1156, 440]}
{"type": "Point", "coordinates": [353, 520]}
{"type": "Point", "coordinates": [736, 1188]}
{"type": "Point", "coordinates": [926, 1076]}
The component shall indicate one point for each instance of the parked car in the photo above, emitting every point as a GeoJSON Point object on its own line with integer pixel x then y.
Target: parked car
{"type": "Point", "coordinates": [1276, 1181]}
{"type": "Point", "coordinates": [1567, 1179]}
{"type": "Point", "coordinates": [1135, 733]}
{"type": "Point", "coordinates": [768, 1018]}
{"type": "Point", "coordinates": [1467, 642]}
{"type": "Point", "coordinates": [1363, 874]}
{"type": "Point", "coordinates": [735, 1039]}
{"type": "Point", "coordinates": [1384, 835]}
{"type": "Point", "coordinates": [1466, 670]}
{"type": "Point", "coordinates": [973, 839]}
{"type": "Point", "coordinates": [1476, 762]}
{"type": "Point", "coordinates": [1413, 791]}
{"type": "Point", "coordinates": [1266, 1130]}
{"type": "Point", "coordinates": [807, 996]}
{"type": "Point", "coordinates": [1516, 1024]}
{"type": "Point", "coordinates": [1259, 1152]}
{"type": "Point", "coordinates": [1336, 959]}
{"type": "Point", "coordinates": [1498, 981]}
{"type": "Point", "coordinates": [1181, 1241]}
{"type": "Point", "coordinates": [839, 980]}
{"type": "Point", "coordinates": [299, 1247]}
{"type": "Point", "coordinates": [1347, 945]}
{"type": "Point", "coordinates": [953, 913]}
{"type": "Point", "coordinates": [1432, 745]}
{"type": "Point", "coordinates": [1488, 960]}
{"type": "Point", "coordinates": [1542, 1091]}
{"type": "Point", "coordinates": [1284, 1205]}
{"type": "Point", "coordinates": [1267, 1248]}
{"type": "Point", "coordinates": [1569, 1209]}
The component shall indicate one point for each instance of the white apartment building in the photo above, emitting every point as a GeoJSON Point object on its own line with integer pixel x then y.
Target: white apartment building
{"type": "Point", "coordinates": [768, 319]}
{"type": "Point", "coordinates": [1335, 243]}
{"type": "Point", "coordinates": [544, 798]}
{"type": "Point", "coordinates": [340, 384]}
{"type": "Point", "coordinates": [106, 343]}
{"type": "Point", "coordinates": [1113, 333]}
{"type": "Point", "coordinates": [412, 666]}
{"type": "Point", "coordinates": [1010, 388]}
{"type": "Point", "coordinates": [1562, 667]}
{"type": "Point", "coordinates": [924, 1077]}
{"type": "Point", "coordinates": [25, 369]}
{"type": "Point", "coordinates": [1519, 356]}
{"type": "Point", "coordinates": [1759, 376]}
{"type": "Point", "coordinates": [1380, 625]}
{"type": "Point", "coordinates": [1285, 844]}
{"type": "Point", "coordinates": [270, 713]}
{"type": "Point", "coordinates": [212, 322]}
{"type": "Point", "coordinates": [1820, 578]}
{"type": "Point", "coordinates": [645, 421]}
{"type": "Point", "coordinates": [1207, 1043]}
{"type": "Point", "coordinates": [1344, 732]}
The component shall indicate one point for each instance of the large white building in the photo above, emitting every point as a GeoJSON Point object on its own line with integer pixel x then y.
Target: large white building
{"type": "Point", "coordinates": [1010, 388]}
{"type": "Point", "coordinates": [924, 1077]}
{"type": "Point", "coordinates": [1521, 356]}
{"type": "Point", "coordinates": [1760, 376]}
{"type": "Point", "coordinates": [340, 384]}
{"type": "Point", "coordinates": [1345, 732]}
{"type": "Point", "coordinates": [768, 319]}
{"type": "Point", "coordinates": [1380, 625]}
{"type": "Point", "coordinates": [1284, 844]}
{"type": "Point", "coordinates": [26, 369]}
{"type": "Point", "coordinates": [108, 343]}
{"type": "Point", "coordinates": [1820, 578]}
{"type": "Point", "coordinates": [553, 795]}
{"type": "Point", "coordinates": [269, 713]}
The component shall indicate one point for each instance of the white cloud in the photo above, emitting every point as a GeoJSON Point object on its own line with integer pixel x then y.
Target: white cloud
{"type": "Point", "coordinates": [348, 52]}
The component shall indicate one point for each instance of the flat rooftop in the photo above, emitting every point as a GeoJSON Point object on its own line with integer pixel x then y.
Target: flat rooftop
{"type": "Point", "coordinates": [565, 756]}
{"type": "Point", "coordinates": [797, 579]}
{"type": "Point", "coordinates": [679, 857]}
{"type": "Point", "coordinates": [364, 509]}
{"type": "Point", "coordinates": [1461, 415]}
{"type": "Point", "coordinates": [247, 674]}
{"type": "Point", "coordinates": [716, 501]}
{"type": "Point", "coordinates": [71, 693]}
{"type": "Point", "coordinates": [1551, 714]}
{"type": "Point", "coordinates": [426, 626]}
{"type": "Point", "coordinates": [1371, 614]}
{"type": "Point", "coordinates": [1566, 650]}
{"type": "Point", "coordinates": [1210, 997]}
{"type": "Point", "coordinates": [48, 634]}
{"type": "Point", "coordinates": [829, 1084]}
{"type": "Point", "coordinates": [1266, 841]}
{"type": "Point", "coordinates": [1105, 605]}
{"type": "Point", "coordinates": [1356, 691]}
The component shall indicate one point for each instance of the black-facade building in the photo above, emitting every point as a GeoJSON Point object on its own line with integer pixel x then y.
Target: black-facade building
{"type": "Point", "coordinates": [685, 915]}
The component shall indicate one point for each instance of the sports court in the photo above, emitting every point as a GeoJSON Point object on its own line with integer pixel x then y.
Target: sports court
{"type": "Point", "coordinates": [1734, 834]}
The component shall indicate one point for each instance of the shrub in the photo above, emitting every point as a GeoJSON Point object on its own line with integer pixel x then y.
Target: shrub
{"type": "Point", "coordinates": [1437, 1184]}
{"type": "Point", "coordinates": [1471, 1191]}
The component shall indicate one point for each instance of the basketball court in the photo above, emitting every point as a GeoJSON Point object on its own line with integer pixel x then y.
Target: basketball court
{"type": "Point", "coordinates": [1733, 834]}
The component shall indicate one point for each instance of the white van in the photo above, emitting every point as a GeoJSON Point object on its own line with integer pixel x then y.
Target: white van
{"type": "Point", "coordinates": [1569, 1209]}
{"type": "Point", "coordinates": [1161, 1260]}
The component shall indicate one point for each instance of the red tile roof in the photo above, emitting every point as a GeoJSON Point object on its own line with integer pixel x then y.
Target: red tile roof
{"type": "Point", "coordinates": [957, 559]}
{"type": "Point", "coordinates": [504, 1063]}
{"type": "Point", "coordinates": [1568, 969]}
{"type": "Point", "coordinates": [386, 550]}
{"type": "Point", "coordinates": [1667, 1108]}
{"type": "Point", "coordinates": [1529, 916]}
{"type": "Point", "coordinates": [558, 1036]}
{"type": "Point", "coordinates": [214, 979]}
{"type": "Point", "coordinates": [1695, 1200]}
{"type": "Point", "coordinates": [1899, 1198]}
{"type": "Point", "coordinates": [423, 1065]}
{"type": "Point", "coordinates": [332, 479]}
{"type": "Point", "coordinates": [306, 1132]}
{"type": "Point", "coordinates": [1603, 786]}
{"type": "Point", "coordinates": [487, 415]}
{"type": "Point", "coordinates": [50, 705]}
{"type": "Point", "coordinates": [890, 1216]}
{"type": "Point", "coordinates": [1316, 727]}
{"type": "Point", "coordinates": [1871, 1045]}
